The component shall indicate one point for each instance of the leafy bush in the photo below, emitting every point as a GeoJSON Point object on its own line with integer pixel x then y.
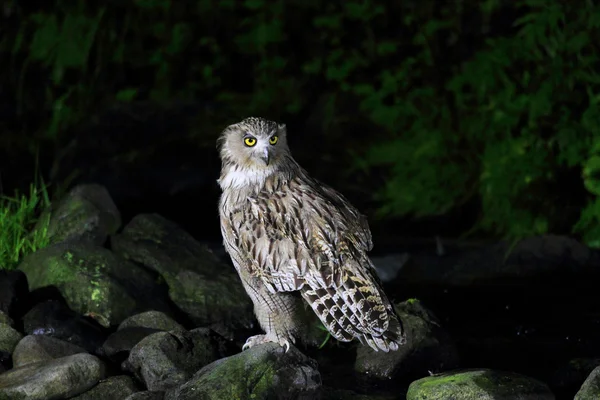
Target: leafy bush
{"type": "Point", "coordinates": [492, 103]}
{"type": "Point", "coordinates": [500, 124]}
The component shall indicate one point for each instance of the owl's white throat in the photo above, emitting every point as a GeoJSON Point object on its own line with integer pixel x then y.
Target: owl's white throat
{"type": "Point", "coordinates": [234, 177]}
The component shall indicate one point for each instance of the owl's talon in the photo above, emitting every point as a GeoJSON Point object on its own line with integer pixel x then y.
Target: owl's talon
{"type": "Point", "coordinates": [260, 339]}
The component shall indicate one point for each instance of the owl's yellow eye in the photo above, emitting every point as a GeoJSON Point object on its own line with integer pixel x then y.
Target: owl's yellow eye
{"type": "Point", "coordinates": [273, 139]}
{"type": "Point", "coordinates": [250, 141]}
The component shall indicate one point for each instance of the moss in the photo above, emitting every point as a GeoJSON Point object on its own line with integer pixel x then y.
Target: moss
{"type": "Point", "coordinates": [59, 271]}
{"type": "Point", "coordinates": [473, 384]}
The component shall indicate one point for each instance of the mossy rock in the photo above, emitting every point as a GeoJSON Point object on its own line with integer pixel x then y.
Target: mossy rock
{"type": "Point", "coordinates": [480, 384]}
{"type": "Point", "coordinates": [93, 280]}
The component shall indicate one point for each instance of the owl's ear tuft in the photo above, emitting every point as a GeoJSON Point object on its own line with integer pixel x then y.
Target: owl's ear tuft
{"type": "Point", "coordinates": [282, 128]}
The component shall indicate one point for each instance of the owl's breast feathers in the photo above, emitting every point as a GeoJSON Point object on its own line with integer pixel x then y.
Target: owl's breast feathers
{"type": "Point", "coordinates": [296, 232]}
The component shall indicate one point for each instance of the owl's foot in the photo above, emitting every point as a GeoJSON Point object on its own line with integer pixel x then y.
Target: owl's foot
{"type": "Point", "coordinates": [260, 339]}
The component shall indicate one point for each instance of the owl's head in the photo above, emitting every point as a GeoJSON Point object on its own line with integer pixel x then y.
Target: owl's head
{"type": "Point", "coordinates": [254, 143]}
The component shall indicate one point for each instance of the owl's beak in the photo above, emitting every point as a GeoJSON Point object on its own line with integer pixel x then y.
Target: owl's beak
{"type": "Point", "coordinates": [265, 157]}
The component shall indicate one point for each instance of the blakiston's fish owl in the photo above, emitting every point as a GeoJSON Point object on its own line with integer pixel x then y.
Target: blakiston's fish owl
{"type": "Point", "coordinates": [287, 232]}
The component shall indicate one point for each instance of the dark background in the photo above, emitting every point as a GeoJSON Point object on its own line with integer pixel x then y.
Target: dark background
{"type": "Point", "coordinates": [464, 119]}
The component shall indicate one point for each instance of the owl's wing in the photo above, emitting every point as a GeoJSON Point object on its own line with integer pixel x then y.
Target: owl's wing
{"type": "Point", "coordinates": [304, 232]}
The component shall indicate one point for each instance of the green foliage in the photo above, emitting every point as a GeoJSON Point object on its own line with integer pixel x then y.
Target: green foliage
{"type": "Point", "coordinates": [500, 124]}
{"type": "Point", "coordinates": [22, 230]}
{"type": "Point", "coordinates": [486, 102]}
{"type": "Point", "coordinates": [327, 336]}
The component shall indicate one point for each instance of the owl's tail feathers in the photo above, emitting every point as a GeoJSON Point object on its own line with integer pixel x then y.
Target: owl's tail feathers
{"type": "Point", "coordinates": [390, 340]}
{"type": "Point", "coordinates": [358, 309]}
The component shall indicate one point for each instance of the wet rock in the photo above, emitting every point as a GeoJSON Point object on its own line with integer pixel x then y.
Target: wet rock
{"type": "Point", "coordinates": [119, 344]}
{"type": "Point", "coordinates": [481, 384]}
{"type": "Point", "coordinates": [93, 281]}
{"type": "Point", "coordinates": [5, 319]}
{"type": "Point", "coordinates": [56, 379]}
{"type": "Point", "coordinates": [590, 390]}
{"type": "Point", "coordinates": [37, 348]}
{"type": "Point", "coordinates": [87, 212]}
{"type": "Point", "coordinates": [536, 256]}
{"type": "Point", "coordinates": [568, 378]}
{"type": "Point", "coordinates": [428, 348]}
{"type": "Point", "coordinates": [56, 319]}
{"type": "Point", "coordinates": [113, 388]}
{"type": "Point", "coordinates": [9, 337]}
{"type": "Point", "coordinates": [168, 359]}
{"type": "Point", "coordinates": [13, 291]}
{"type": "Point", "coordinates": [151, 319]}
{"type": "Point", "coordinates": [147, 395]}
{"type": "Point", "coordinates": [388, 267]}
{"type": "Point", "coordinates": [263, 372]}
{"type": "Point", "coordinates": [199, 284]}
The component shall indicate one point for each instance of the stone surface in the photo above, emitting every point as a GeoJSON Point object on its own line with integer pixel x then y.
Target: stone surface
{"type": "Point", "coordinates": [569, 377]}
{"type": "Point", "coordinates": [13, 291]}
{"type": "Point", "coordinates": [147, 395]}
{"type": "Point", "coordinates": [151, 319]}
{"type": "Point", "coordinates": [265, 371]}
{"type": "Point", "coordinates": [199, 283]}
{"type": "Point", "coordinates": [167, 359]}
{"type": "Point", "coordinates": [481, 384]}
{"type": "Point", "coordinates": [9, 337]}
{"type": "Point", "coordinates": [54, 318]}
{"type": "Point", "coordinates": [5, 319]}
{"type": "Point", "coordinates": [113, 388]}
{"type": "Point", "coordinates": [531, 257]}
{"type": "Point", "coordinates": [87, 212]}
{"type": "Point", "coordinates": [590, 390]}
{"type": "Point", "coordinates": [94, 281]}
{"type": "Point", "coordinates": [118, 345]}
{"type": "Point", "coordinates": [36, 348]}
{"type": "Point", "coordinates": [56, 379]}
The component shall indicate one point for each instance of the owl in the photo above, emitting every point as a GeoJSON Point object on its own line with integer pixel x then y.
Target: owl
{"type": "Point", "coordinates": [288, 233]}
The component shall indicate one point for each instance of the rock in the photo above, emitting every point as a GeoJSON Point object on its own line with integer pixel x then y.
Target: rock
{"type": "Point", "coordinates": [13, 290]}
{"type": "Point", "coordinates": [536, 256]}
{"type": "Point", "coordinates": [428, 348]}
{"type": "Point", "coordinates": [119, 344]}
{"type": "Point", "coordinates": [113, 388]}
{"type": "Point", "coordinates": [94, 281]}
{"type": "Point", "coordinates": [147, 395]}
{"type": "Point", "coordinates": [151, 319]}
{"type": "Point", "coordinates": [9, 337]}
{"type": "Point", "coordinates": [56, 319]}
{"type": "Point", "coordinates": [56, 379]}
{"type": "Point", "coordinates": [5, 319]}
{"type": "Point", "coordinates": [37, 348]}
{"type": "Point", "coordinates": [168, 359]}
{"type": "Point", "coordinates": [568, 378]}
{"type": "Point", "coordinates": [389, 266]}
{"type": "Point", "coordinates": [87, 212]}
{"type": "Point", "coordinates": [590, 390]}
{"type": "Point", "coordinates": [265, 371]}
{"type": "Point", "coordinates": [199, 284]}
{"type": "Point", "coordinates": [478, 384]}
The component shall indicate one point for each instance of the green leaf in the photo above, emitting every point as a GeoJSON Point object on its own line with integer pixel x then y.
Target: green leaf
{"type": "Point", "coordinates": [126, 95]}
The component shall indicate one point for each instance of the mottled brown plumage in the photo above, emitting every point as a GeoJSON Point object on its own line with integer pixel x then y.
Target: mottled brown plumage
{"type": "Point", "coordinates": [288, 232]}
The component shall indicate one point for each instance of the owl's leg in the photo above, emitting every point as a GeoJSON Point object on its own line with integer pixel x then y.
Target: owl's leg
{"type": "Point", "coordinates": [277, 315]}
